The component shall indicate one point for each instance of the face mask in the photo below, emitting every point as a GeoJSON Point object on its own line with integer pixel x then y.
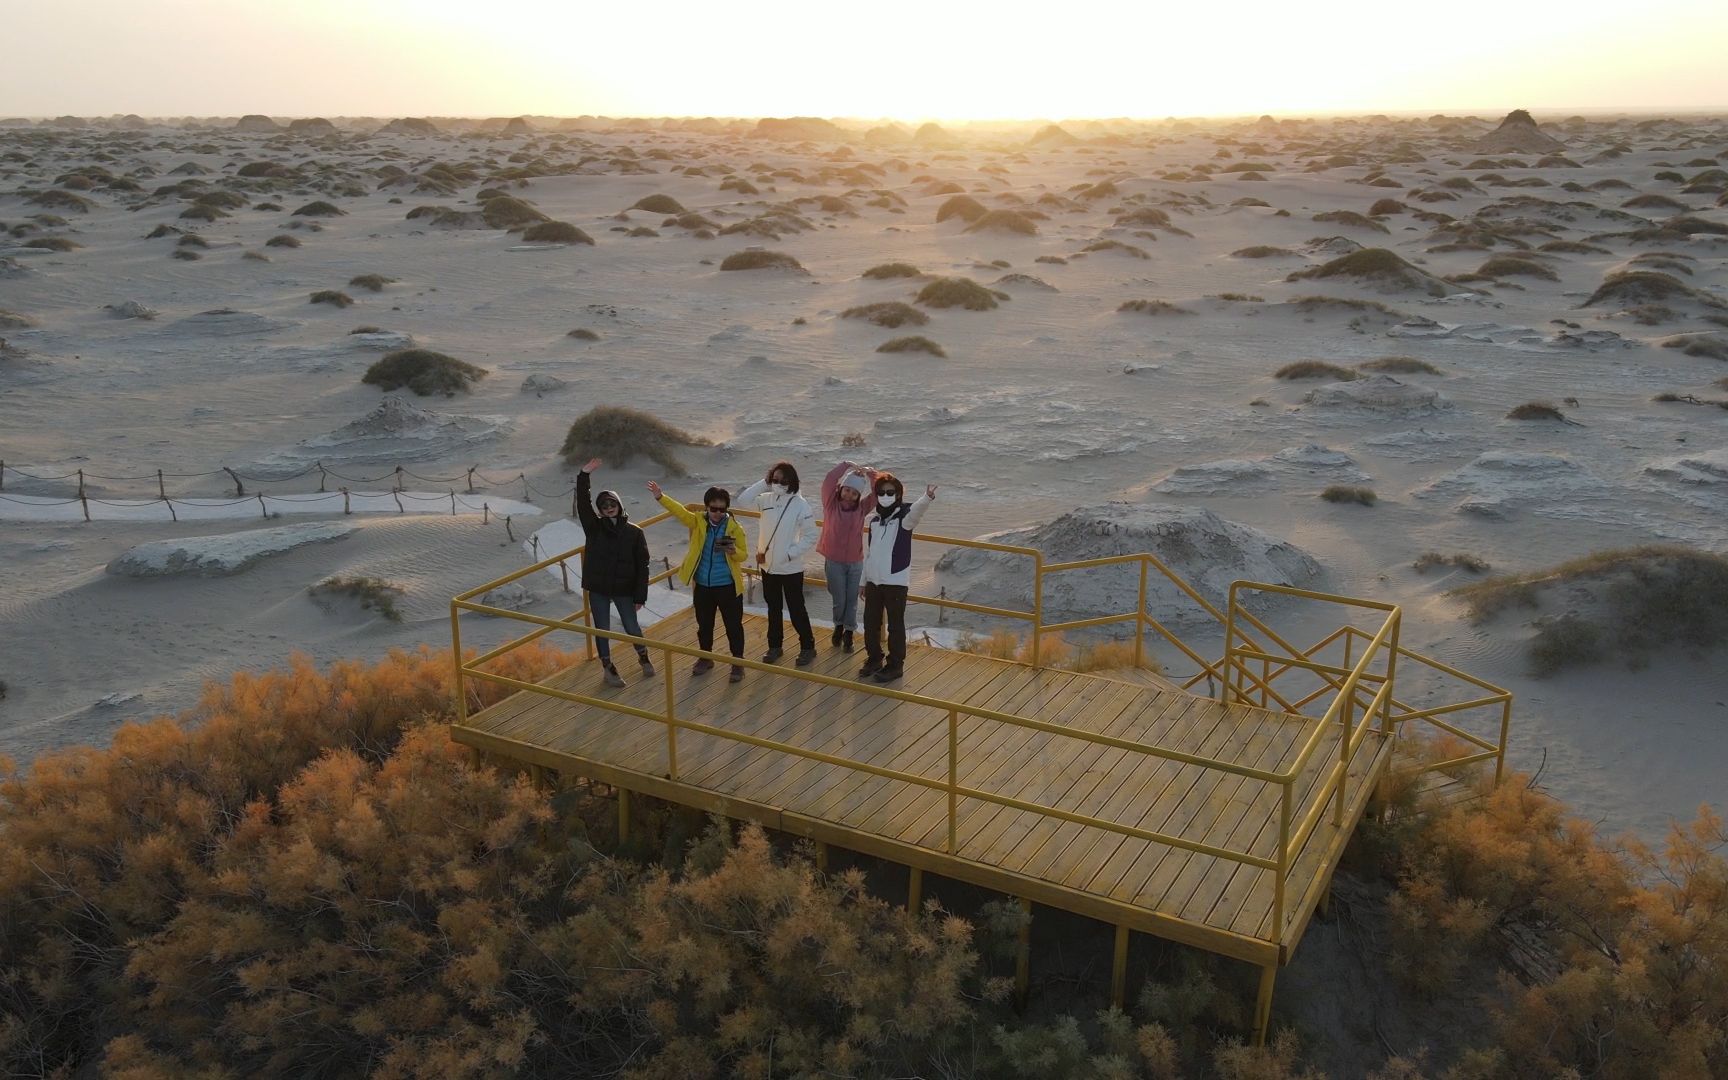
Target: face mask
{"type": "Point", "coordinates": [886, 499]}
{"type": "Point", "coordinates": [778, 489]}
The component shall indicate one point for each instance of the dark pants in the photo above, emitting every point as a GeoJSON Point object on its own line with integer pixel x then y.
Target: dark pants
{"type": "Point", "coordinates": [725, 600]}
{"type": "Point", "coordinates": [787, 589]}
{"type": "Point", "coordinates": [600, 610]}
{"type": "Point", "coordinates": [892, 600]}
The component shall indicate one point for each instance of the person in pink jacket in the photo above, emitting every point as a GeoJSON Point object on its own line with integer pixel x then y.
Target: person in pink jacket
{"type": "Point", "coordinates": [847, 500]}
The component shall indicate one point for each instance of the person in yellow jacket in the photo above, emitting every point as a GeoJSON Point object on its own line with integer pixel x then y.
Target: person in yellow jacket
{"type": "Point", "coordinates": [714, 569]}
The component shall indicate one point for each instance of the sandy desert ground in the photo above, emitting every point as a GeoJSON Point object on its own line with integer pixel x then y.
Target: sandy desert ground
{"type": "Point", "coordinates": [1056, 400]}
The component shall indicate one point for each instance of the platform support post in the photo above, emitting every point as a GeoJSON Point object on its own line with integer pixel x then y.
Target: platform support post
{"type": "Point", "coordinates": [821, 857]}
{"type": "Point", "coordinates": [537, 777]}
{"type": "Point", "coordinates": [1324, 907]}
{"type": "Point", "coordinates": [623, 815]}
{"type": "Point", "coordinates": [1263, 1003]}
{"type": "Point", "coordinates": [1023, 958]}
{"type": "Point", "coordinates": [914, 889]}
{"type": "Point", "coordinates": [1119, 967]}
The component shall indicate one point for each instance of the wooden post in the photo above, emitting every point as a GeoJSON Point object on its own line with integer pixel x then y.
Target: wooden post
{"type": "Point", "coordinates": [821, 857]}
{"type": "Point", "coordinates": [485, 513]}
{"type": "Point", "coordinates": [666, 564]}
{"type": "Point", "coordinates": [321, 476]}
{"type": "Point", "coordinates": [262, 509]}
{"type": "Point", "coordinates": [85, 502]}
{"type": "Point", "coordinates": [471, 469]}
{"type": "Point", "coordinates": [914, 889]}
{"type": "Point", "coordinates": [2, 474]}
{"type": "Point", "coordinates": [239, 488]}
{"type": "Point", "coordinates": [1023, 957]}
{"type": "Point", "coordinates": [80, 483]}
{"type": "Point", "coordinates": [161, 488]}
{"type": "Point", "coordinates": [397, 480]}
{"type": "Point", "coordinates": [564, 572]}
{"type": "Point", "coordinates": [172, 516]}
{"type": "Point", "coordinates": [525, 491]}
{"type": "Point", "coordinates": [1119, 965]}
{"type": "Point", "coordinates": [623, 815]}
{"type": "Point", "coordinates": [1263, 1003]}
{"type": "Point", "coordinates": [572, 502]}
{"type": "Point", "coordinates": [346, 509]}
{"type": "Point", "coordinates": [396, 493]}
{"type": "Point", "coordinates": [452, 502]}
{"type": "Point", "coordinates": [507, 531]}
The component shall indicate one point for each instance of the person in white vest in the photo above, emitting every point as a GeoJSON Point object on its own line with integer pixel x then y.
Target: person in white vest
{"type": "Point", "coordinates": [888, 574]}
{"type": "Point", "coordinates": [785, 533]}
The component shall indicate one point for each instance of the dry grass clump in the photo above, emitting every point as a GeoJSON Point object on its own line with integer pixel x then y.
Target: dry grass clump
{"type": "Point", "coordinates": [853, 440]}
{"type": "Point", "coordinates": [320, 208]}
{"type": "Point", "coordinates": [185, 255]}
{"type": "Point", "coordinates": [372, 282]}
{"type": "Point", "coordinates": [1400, 365]}
{"type": "Point", "coordinates": [1261, 251]}
{"type": "Point", "coordinates": [1535, 410]}
{"type": "Point", "coordinates": [1638, 287]}
{"type": "Point", "coordinates": [1654, 202]}
{"type": "Point", "coordinates": [201, 212]}
{"type": "Point", "coordinates": [1345, 493]}
{"type": "Point", "coordinates": [1315, 369]}
{"type": "Point", "coordinates": [1352, 219]}
{"type": "Point", "coordinates": [332, 297]}
{"type": "Point", "coordinates": [60, 199]}
{"type": "Point", "coordinates": [892, 314]}
{"type": "Point", "coordinates": [1118, 246]}
{"type": "Point", "coordinates": [11, 320]}
{"type": "Point", "coordinates": [886, 271]}
{"type": "Point", "coordinates": [509, 213]}
{"type": "Point", "coordinates": [556, 232]}
{"type": "Point", "coordinates": [52, 243]}
{"type": "Point", "coordinates": [961, 206]}
{"type": "Point", "coordinates": [1153, 307]}
{"type": "Point", "coordinates": [1513, 266]}
{"type": "Point", "coordinates": [658, 204]}
{"type": "Point", "coordinates": [1058, 652]}
{"type": "Point", "coordinates": [1462, 560]}
{"type": "Point", "coordinates": [1387, 207]}
{"type": "Point", "coordinates": [620, 434]}
{"type": "Point", "coordinates": [423, 371]}
{"type": "Point", "coordinates": [283, 240]}
{"type": "Point", "coordinates": [1571, 247]}
{"type": "Point", "coordinates": [1645, 598]}
{"type": "Point", "coordinates": [255, 256]}
{"type": "Point", "coordinates": [1011, 221]}
{"type": "Point", "coordinates": [582, 333]}
{"type": "Point", "coordinates": [960, 292]}
{"type": "Point", "coordinates": [374, 594]}
{"type": "Point", "coordinates": [1712, 346]}
{"type": "Point", "coordinates": [757, 259]}
{"type": "Point", "coordinates": [1373, 265]}
{"type": "Point", "coordinates": [912, 344]}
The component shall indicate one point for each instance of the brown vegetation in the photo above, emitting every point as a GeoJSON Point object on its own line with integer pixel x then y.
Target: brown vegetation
{"type": "Point", "coordinates": [885, 271]}
{"type": "Point", "coordinates": [892, 314]}
{"type": "Point", "coordinates": [757, 259]}
{"type": "Point", "coordinates": [959, 292]}
{"type": "Point", "coordinates": [1400, 365]}
{"type": "Point", "coordinates": [619, 435]}
{"type": "Point", "coordinates": [1315, 369]}
{"type": "Point", "coordinates": [1345, 493]}
{"type": "Point", "coordinates": [556, 232]}
{"type": "Point", "coordinates": [333, 297]}
{"type": "Point", "coordinates": [911, 344]}
{"type": "Point", "coordinates": [374, 594]}
{"type": "Point", "coordinates": [423, 371]}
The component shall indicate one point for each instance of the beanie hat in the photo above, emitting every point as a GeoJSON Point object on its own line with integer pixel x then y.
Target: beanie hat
{"type": "Point", "coordinates": [856, 483]}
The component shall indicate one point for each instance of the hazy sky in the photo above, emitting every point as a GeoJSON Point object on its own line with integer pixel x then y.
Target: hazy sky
{"type": "Point", "coordinates": [914, 60]}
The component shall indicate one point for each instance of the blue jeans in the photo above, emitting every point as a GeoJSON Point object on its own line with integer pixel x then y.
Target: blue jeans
{"type": "Point", "coordinates": [843, 581]}
{"type": "Point", "coordinates": [600, 610]}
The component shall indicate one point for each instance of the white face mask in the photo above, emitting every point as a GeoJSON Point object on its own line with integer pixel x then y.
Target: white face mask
{"type": "Point", "coordinates": [887, 500]}
{"type": "Point", "coordinates": [778, 489]}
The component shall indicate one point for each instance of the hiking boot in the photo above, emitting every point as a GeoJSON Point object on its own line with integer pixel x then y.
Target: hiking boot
{"type": "Point", "coordinates": [647, 665]}
{"type": "Point", "coordinates": [835, 640]}
{"type": "Point", "coordinates": [737, 674]}
{"type": "Point", "coordinates": [702, 667]}
{"type": "Point", "coordinates": [613, 679]}
{"type": "Point", "coordinates": [806, 656]}
{"type": "Point", "coordinates": [774, 653]}
{"type": "Point", "coordinates": [846, 642]}
{"type": "Point", "coordinates": [871, 667]}
{"type": "Point", "coordinates": [890, 672]}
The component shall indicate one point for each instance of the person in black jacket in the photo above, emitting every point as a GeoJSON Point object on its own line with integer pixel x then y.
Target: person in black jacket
{"type": "Point", "coordinates": [614, 569]}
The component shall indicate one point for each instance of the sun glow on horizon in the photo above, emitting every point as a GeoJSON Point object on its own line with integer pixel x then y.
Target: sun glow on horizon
{"type": "Point", "coordinates": [900, 59]}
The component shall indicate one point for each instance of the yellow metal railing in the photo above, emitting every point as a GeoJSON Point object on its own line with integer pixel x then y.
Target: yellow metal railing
{"type": "Point", "coordinates": [1238, 683]}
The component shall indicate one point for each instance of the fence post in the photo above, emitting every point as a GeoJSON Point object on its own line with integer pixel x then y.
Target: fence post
{"type": "Point", "coordinates": [85, 503]}
{"type": "Point", "coordinates": [262, 509]}
{"type": "Point", "coordinates": [485, 513]}
{"type": "Point", "coordinates": [526, 497]}
{"type": "Point", "coordinates": [507, 531]}
{"type": "Point", "coordinates": [171, 514]}
{"type": "Point", "coordinates": [161, 489]}
{"type": "Point", "coordinates": [452, 502]}
{"type": "Point", "coordinates": [396, 493]}
{"type": "Point", "coordinates": [239, 488]}
{"type": "Point", "coordinates": [1140, 620]}
{"type": "Point", "coordinates": [320, 476]}
{"type": "Point", "coordinates": [345, 507]}
{"type": "Point", "coordinates": [572, 502]}
{"type": "Point", "coordinates": [398, 480]}
{"type": "Point", "coordinates": [81, 484]}
{"type": "Point", "coordinates": [471, 469]}
{"type": "Point", "coordinates": [671, 582]}
{"type": "Point", "coordinates": [564, 572]}
{"type": "Point", "coordinates": [1037, 608]}
{"type": "Point", "coordinates": [2, 474]}
{"type": "Point", "coordinates": [941, 612]}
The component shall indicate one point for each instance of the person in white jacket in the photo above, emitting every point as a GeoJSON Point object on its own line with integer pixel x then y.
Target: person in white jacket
{"type": "Point", "coordinates": [888, 574]}
{"type": "Point", "coordinates": [784, 535]}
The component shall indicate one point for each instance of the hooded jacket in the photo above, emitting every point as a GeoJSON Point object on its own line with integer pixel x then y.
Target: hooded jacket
{"type": "Point", "coordinates": [615, 553]}
{"type": "Point", "coordinates": [888, 548]}
{"type": "Point", "coordinates": [786, 531]}
{"type": "Point", "coordinates": [842, 529]}
{"type": "Point", "coordinates": [697, 523]}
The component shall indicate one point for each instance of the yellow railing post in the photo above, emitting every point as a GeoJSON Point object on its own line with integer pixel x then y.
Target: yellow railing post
{"type": "Point", "coordinates": [588, 621]}
{"type": "Point", "coordinates": [1392, 671]}
{"type": "Point", "coordinates": [1226, 680]}
{"type": "Point", "coordinates": [461, 680]}
{"type": "Point", "coordinates": [1037, 608]}
{"type": "Point", "coordinates": [953, 779]}
{"type": "Point", "coordinates": [671, 716]}
{"type": "Point", "coordinates": [1500, 755]}
{"type": "Point", "coordinates": [1140, 620]}
{"type": "Point", "coordinates": [1284, 859]}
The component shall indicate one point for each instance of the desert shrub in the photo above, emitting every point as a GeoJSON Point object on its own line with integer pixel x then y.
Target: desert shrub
{"type": "Point", "coordinates": [642, 230]}
{"type": "Point", "coordinates": [892, 314]}
{"type": "Point", "coordinates": [1261, 251]}
{"type": "Point", "coordinates": [1054, 260]}
{"type": "Point", "coordinates": [255, 256]}
{"type": "Point", "coordinates": [961, 206]}
{"type": "Point", "coordinates": [960, 292]}
{"type": "Point", "coordinates": [1153, 307]}
{"type": "Point", "coordinates": [1345, 493]}
{"type": "Point", "coordinates": [911, 344]}
{"type": "Point", "coordinates": [1715, 348]}
{"type": "Point", "coordinates": [510, 213]}
{"type": "Point", "coordinates": [1512, 266]}
{"type": "Point", "coordinates": [1656, 202]}
{"type": "Point", "coordinates": [1462, 560]}
{"type": "Point", "coordinates": [1400, 365]}
{"type": "Point", "coordinates": [1238, 298]}
{"type": "Point", "coordinates": [374, 282]}
{"type": "Point", "coordinates": [283, 240]}
{"type": "Point", "coordinates": [619, 435]}
{"type": "Point", "coordinates": [555, 232]}
{"type": "Point", "coordinates": [185, 255]}
{"type": "Point", "coordinates": [320, 208]}
{"type": "Point", "coordinates": [201, 212]}
{"type": "Point", "coordinates": [1315, 369]}
{"type": "Point", "coordinates": [1005, 221]}
{"type": "Point", "coordinates": [1572, 247]}
{"type": "Point", "coordinates": [192, 240]}
{"type": "Point", "coordinates": [1567, 640]}
{"type": "Point", "coordinates": [374, 594]}
{"type": "Point", "coordinates": [423, 371]}
{"type": "Point", "coordinates": [11, 320]}
{"type": "Point", "coordinates": [757, 259]}
{"type": "Point", "coordinates": [226, 200]}
{"type": "Point", "coordinates": [1058, 652]}
{"type": "Point", "coordinates": [333, 298]}
{"type": "Point", "coordinates": [1387, 207]}
{"type": "Point", "coordinates": [52, 243]}
{"type": "Point", "coordinates": [740, 185]}
{"type": "Point", "coordinates": [1350, 218]}
{"type": "Point", "coordinates": [885, 271]}
{"type": "Point", "coordinates": [582, 333]}
{"type": "Point", "coordinates": [1118, 246]}
{"type": "Point", "coordinates": [1645, 287]}
{"type": "Point", "coordinates": [59, 199]}
{"type": "Point", "coordinates": [852, 440]}
{"type": "Point", "coordinates": [658, 204]}
{"type": "Point", "coordinates": [1535, 410]}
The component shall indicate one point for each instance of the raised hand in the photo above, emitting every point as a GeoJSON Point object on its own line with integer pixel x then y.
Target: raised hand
{"type": "Point", "coordinates": [653, 489]}
{"type": "Point", "coordinates": [930, 491]}
{"type": "Point", "coordinates": [593, 463]}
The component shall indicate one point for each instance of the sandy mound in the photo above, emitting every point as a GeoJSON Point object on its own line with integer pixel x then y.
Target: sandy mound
{"type": "Point", "coordinates": [1205, 549]}
{"type": "Point", "coordinates": [1234, 476]}
{"type": "Point", "coordinates": [1378, 269]}
{"type": "Point", "coordinates": [799, 128]}
{"type": "Point", "coordinates": [131, 309]}
{"type": "Point", "coordinates": [226, 322]}
{"type": "Point", "coordinates": [256, 122]}
{"type": "Point", "coordinates": [1517, 134]}
{"type": "Point", "coordinates": [1500, 481]}
{"type": "Point", "coordinates": [1705, 467]}
{"type": "Point", "coordinates": [224, 553]}
{"type": "Point", "coordinates": [395, 431]}
{"type": "Point", "coordinates": [543, 384]}
{"type": "Point", "coordinates": [382, 340]}
{"type": "Point", "coordinates": [1379, 394]}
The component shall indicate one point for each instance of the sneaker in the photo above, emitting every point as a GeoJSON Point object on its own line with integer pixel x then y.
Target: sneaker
{"type": "Point", "coordinates": [870, 668]}
{"type": "Point", "coordinates": [701, 667]}
{"type": "Point", "coordinates": [846, 642]}
{"type": "Point", "coordinates": [612, 678]}
{"type": "Point", "coordinates": [773, 654]}
{"type": "Point", "coordinates": [806, 656]}
{"type": "Point", "coordinates": [647, 665]}
{"type": "Point", "coordinates": [835, 641]}
{"type": "Point", "coordinates": [737, 674]}
{"type": "Point", "coordinates": [890, 672]}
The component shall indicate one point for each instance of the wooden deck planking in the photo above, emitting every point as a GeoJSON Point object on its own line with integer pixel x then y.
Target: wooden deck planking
{"type": "Point", "coordinates": [1197, 803]}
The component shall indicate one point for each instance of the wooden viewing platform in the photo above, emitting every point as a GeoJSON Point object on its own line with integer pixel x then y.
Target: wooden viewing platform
{"type": "Point", "coordinates": [1214, 822]}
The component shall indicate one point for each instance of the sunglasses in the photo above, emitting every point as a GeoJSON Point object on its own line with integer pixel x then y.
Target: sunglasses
{"type": "Point", "coordinates": [717, 509]}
